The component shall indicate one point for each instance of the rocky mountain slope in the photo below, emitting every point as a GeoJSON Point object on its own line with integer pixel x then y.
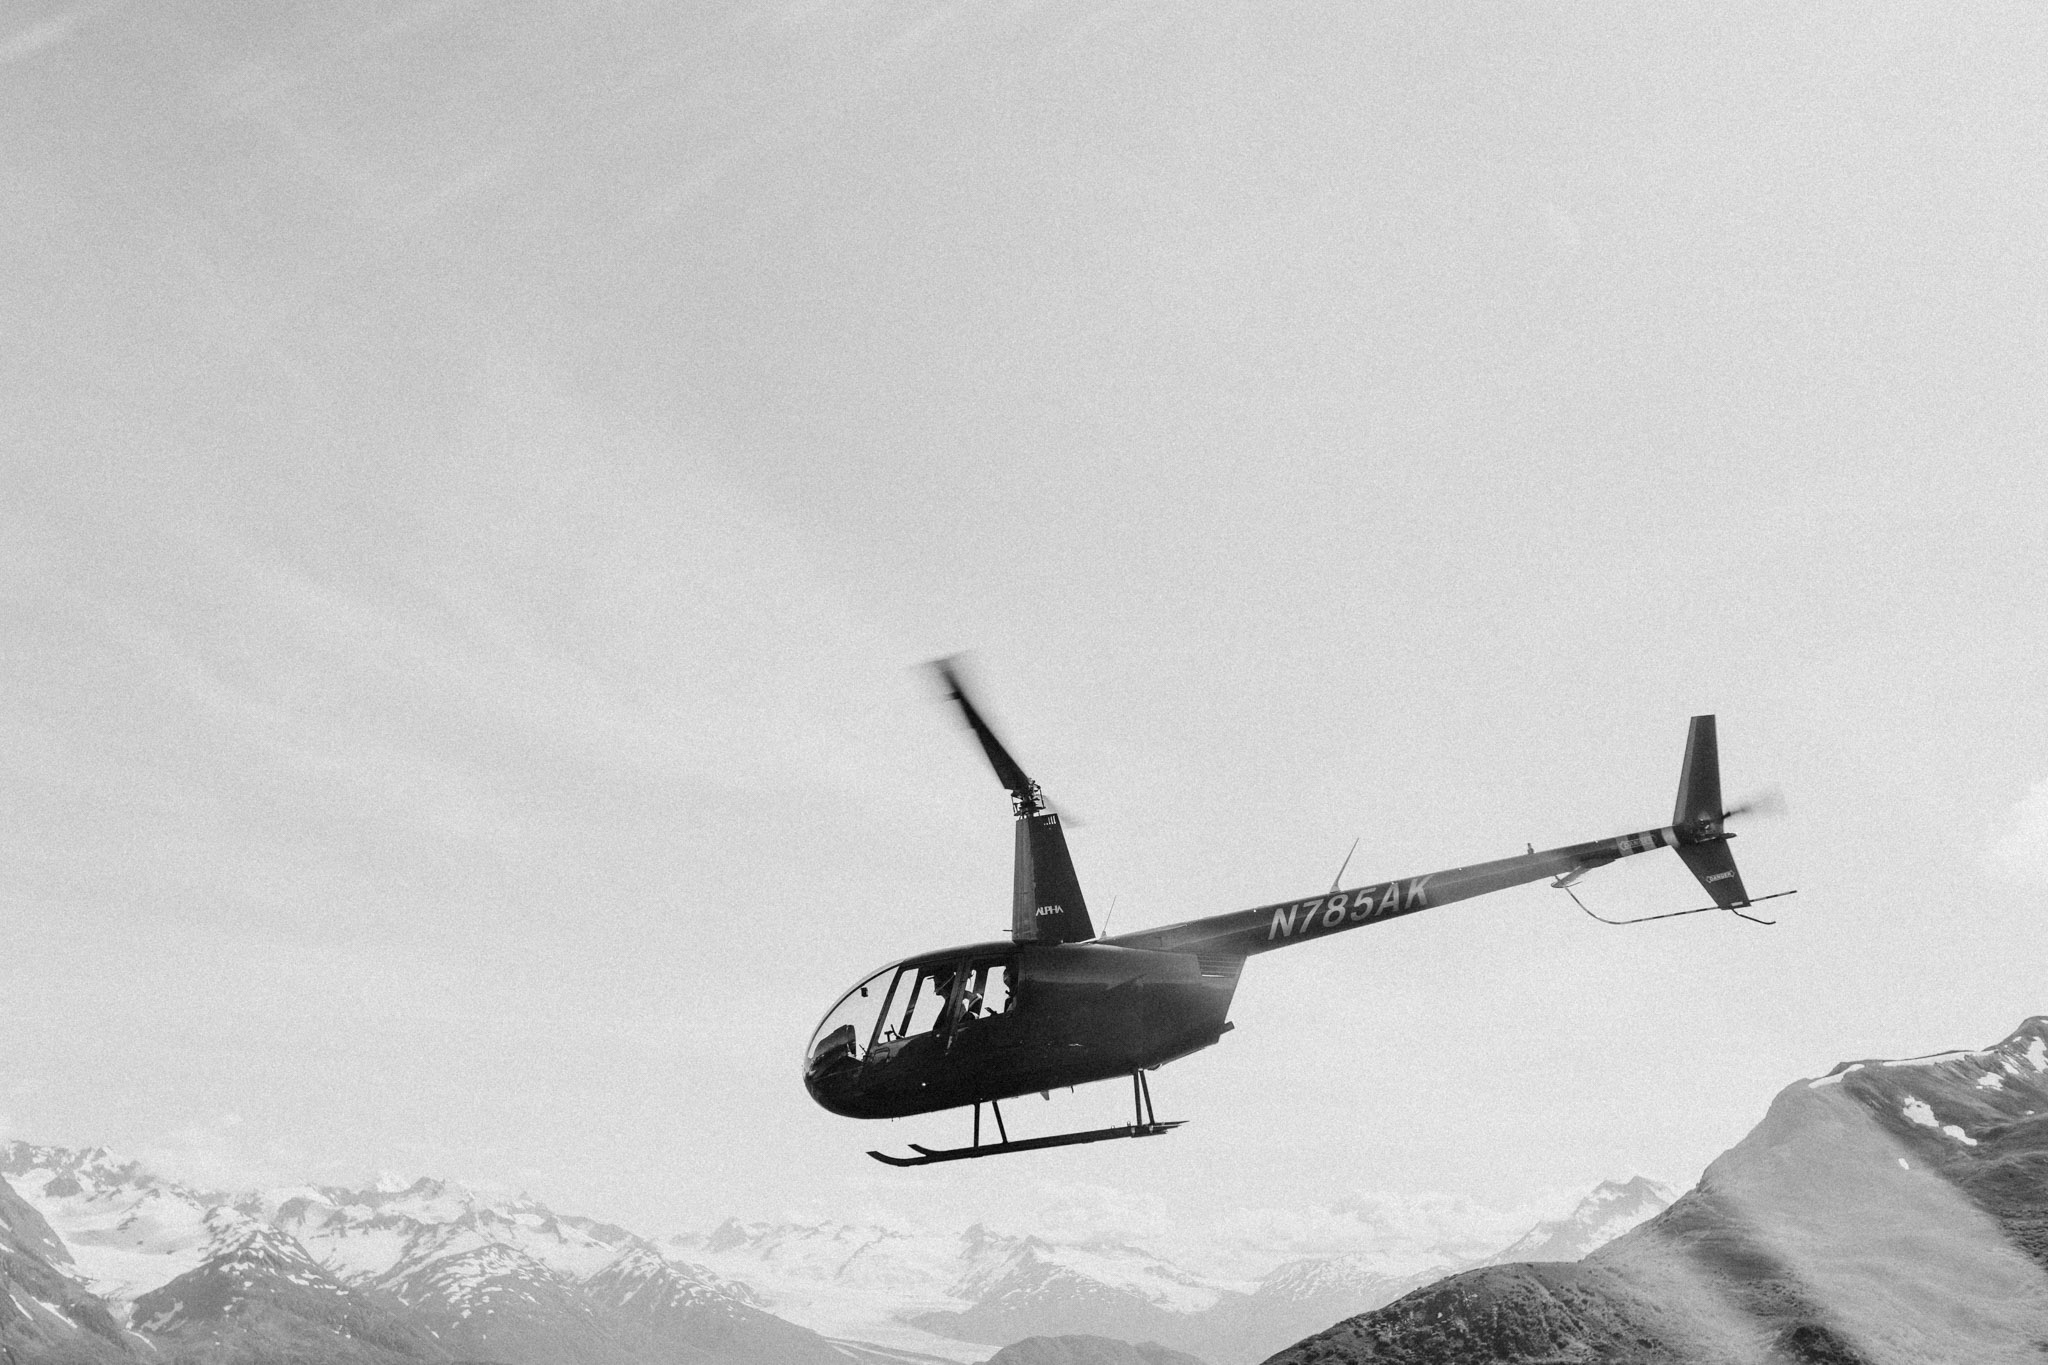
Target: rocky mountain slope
{"type": "Point", "coordinates": [1889, 1213]}
{"type": "Point", "coordinates": [46, 1314]}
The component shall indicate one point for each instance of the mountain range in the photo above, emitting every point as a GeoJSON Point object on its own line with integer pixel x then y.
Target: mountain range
{"type": "Point", "coordinates": [1887, 1213]}
{"type": "Point", "coordinates": [106, 1260]}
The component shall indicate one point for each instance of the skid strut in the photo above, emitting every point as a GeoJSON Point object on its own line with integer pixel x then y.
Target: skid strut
{"type": "Point", "coordinates": [1144, 1122]}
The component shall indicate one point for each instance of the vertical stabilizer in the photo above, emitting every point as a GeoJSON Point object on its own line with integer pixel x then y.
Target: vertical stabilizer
{"type": "Point", "coordinates": [1698, 812]}
{"type": "Point", "coordinates": [1047, 906]}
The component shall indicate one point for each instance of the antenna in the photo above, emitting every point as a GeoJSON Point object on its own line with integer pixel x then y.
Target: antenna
{"type": "Point", "coordinates": [1105, 918]}
{"type": "Point", "coordinates": [1341, 866]}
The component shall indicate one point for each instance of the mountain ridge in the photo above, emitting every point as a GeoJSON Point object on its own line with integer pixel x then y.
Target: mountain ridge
{"type": "Point", "coordinates": [1892, 1212]}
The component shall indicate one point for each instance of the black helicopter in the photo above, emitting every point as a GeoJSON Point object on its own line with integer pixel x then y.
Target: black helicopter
{"type": "Point", "coordinates": [1054, 1006]}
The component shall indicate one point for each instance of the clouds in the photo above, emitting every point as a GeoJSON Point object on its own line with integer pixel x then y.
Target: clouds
{"type": "Point", "coordinates": [1402, 1230]}
{"type": "Point", "coordinates": [1399, 1231]}
{"type": "Point", "coordinates": [36, 37]}
{"type": "Point", "coordinates": [2020, 853]}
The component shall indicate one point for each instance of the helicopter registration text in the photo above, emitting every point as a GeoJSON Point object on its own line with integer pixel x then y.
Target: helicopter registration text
{"type": "Point", "coordinates": [1355, 907]}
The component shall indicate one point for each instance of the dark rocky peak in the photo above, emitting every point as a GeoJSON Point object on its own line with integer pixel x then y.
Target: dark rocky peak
{"type": "Point", "coordinates": [96, 1173]}
{"type": "Point", "coordinates": [67, 1171]}
{"type": "Point", "coordinates": [733, 1233]}
{"type": "Point", "coordinates": [1316, 1277]}
{"type": "Point", "coordinates": [44, 1313]}
{"type": "Point", "coordinates": [24, 1230]}
{"type": "Point", "coordinates": [1088, 1350]}
{"type": "Point", "coordinates": [980, 1237]}
{"type": "Point", "coordinates": [604, 1232]}
{"type": "Point", "coordinates": [46, 1316]}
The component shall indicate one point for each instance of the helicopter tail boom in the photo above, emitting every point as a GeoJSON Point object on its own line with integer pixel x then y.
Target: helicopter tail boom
{"type": "Point", "coordinates": [1695, 834]}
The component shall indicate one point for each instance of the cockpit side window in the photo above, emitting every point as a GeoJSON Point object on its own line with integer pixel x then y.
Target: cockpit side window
{"type": "Point", "coordinates": [921, 999]}
{"type": "Point", "coordinates": [987, 991]}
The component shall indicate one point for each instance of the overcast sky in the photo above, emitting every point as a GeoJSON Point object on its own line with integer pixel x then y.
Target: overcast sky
{"type": "Point", "coordinates": [476, 482]}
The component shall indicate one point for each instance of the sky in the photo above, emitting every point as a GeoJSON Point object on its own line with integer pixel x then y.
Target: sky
{"type": "Point", "coordinates": [479, 481]}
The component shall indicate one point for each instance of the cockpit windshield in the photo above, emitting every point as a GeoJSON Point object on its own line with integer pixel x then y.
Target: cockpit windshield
{"type": "Point", "coordinates": [849, 1028]}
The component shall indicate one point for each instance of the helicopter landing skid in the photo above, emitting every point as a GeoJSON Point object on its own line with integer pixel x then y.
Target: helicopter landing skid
{"type": "Point", "coordinates": [926, 1156]}
{"type": "Point", "coordinates": [1146, 1124]}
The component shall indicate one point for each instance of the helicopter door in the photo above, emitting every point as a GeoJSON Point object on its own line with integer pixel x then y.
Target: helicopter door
{"type": "Point", "coordinates": [920, 1001]}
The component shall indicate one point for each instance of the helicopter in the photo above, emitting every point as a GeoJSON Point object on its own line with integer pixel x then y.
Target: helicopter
{"type": "Point", "coordinates": [1054, 1006]}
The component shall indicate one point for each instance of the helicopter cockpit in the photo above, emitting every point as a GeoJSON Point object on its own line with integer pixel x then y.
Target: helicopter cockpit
{"type": "Point", "coordinates": [913, 1008]}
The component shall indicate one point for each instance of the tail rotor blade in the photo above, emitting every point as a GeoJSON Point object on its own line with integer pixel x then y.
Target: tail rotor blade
{"type": "Point", "coordinates": [1767, 804]}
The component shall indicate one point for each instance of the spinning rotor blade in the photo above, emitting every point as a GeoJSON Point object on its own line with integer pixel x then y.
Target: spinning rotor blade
{"type": "Point", "coordinates": [1769, 803]}
{"type": "Point", "coordinates": [1007, 772]}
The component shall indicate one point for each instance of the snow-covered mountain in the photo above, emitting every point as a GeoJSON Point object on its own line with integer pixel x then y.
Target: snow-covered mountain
{"type": "Point", "coordinates": [498, 1303]}
{"type": "Point", "coordinates": [659, 1309]}
{"type": "Point", "coordinates": [475, 1276]}
{"type": "Point", "coordinates": [255, 1293]}
{"type": "Point", "coordinates": [126, 1229]}
{"type": "Point", "coordinates": [380, 1232]}
{"type": "Point", "coordinates": [423, 1272]}
{"type": "Point", "coordinates": [1611, 1209]}
{"type": "Point", "coordinates": [959, 1294]}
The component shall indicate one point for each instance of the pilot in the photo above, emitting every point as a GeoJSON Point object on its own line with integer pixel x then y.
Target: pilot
{"type": "Point", "coordinates": [942, 987]}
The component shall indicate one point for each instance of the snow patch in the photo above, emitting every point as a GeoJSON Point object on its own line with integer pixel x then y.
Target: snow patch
{"type": "Point", "coordinates": [1835, 1078]}
{"type": "Point", "coordinates": [1919, 1111]}
{"type": "Point", "coordinates": [1903, 1166]}
{"type": "Point", "coordinates": [2037, 1053]}
{"type": "Point", "coordinates": [1989, 1081]}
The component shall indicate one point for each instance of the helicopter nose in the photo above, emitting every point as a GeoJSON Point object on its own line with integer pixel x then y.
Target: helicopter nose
{"type": "Point", "coordinates": [837, 1096]}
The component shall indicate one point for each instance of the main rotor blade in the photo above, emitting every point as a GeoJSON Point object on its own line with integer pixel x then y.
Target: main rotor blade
{"type": "Point", "coordinates": [1007, 771]}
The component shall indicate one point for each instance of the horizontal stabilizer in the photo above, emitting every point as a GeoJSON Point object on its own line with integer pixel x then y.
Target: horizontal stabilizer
{"type": "Point", "coordinates": [1714, 865]}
